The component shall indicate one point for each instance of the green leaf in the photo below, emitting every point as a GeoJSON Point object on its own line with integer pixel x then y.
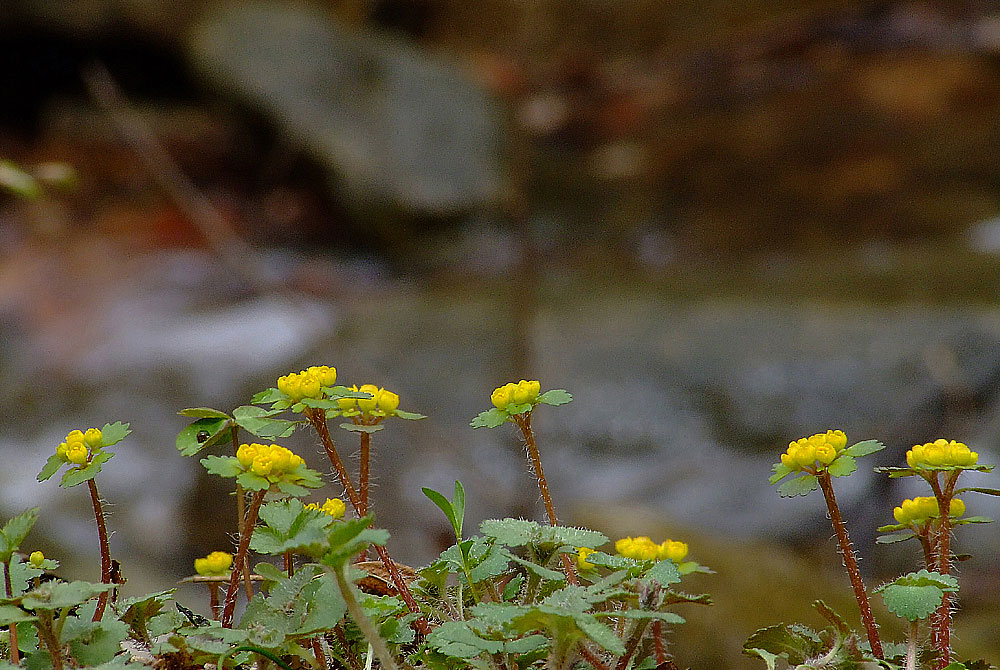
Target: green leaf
{"type": "Point", "coordinates": [864, 448]}
{"type": "Point", "coordinates": [795, 643]}
{"type": "Point", "coordinates": [830, 615]}
{"type": "Point", "coordinates": [541, 571]}
{"type": "Point", "coordinates": [491, 418]}
{"type": "Point", "coordinates": [799, 486]}
{"type": "Point", "coordinates": [203, 413]}
{"type": "Point", "coordinates": [56, 595]}
{"type": "Point", "coordinates": [664, 573]}
{"type": "Point", "coordinates": [979, 489]}
{"type": "Point", "coordinates": [600, 633]}
{"type": "Point", "coordinates": [113, 433]}
{"type": "Point", "coordinates": [14, 531]}
{"type": "Point", "coordinates": [13, 614]}
{"type": "Point", "coordinates": [409, 416]}
{"type": "Point", "coordinates": [349, 537]}
{"type": "Point", "coordinates": [202, 434]}
{"type": "Point", "coordinates": [555, 397]}
{"type": "Point", "coordinates": [51, 467]}
{"type": "Point", "coordinates": [268, 396]}
{"type": "Point", "coordinates": [355, 428]}
{"type": "Point", "coordinates": [95, 642]}
{"type": "Point", "coordinates": [458, 640]}
{"type": "Point", "coordinates": [666, 617]}
{"type": "Point", "coordinates": [291, 526]}
{"type": "Point", "coordinates": [453, 509]}
{"type": "Point", "coordinates": [767, 656]}
{"type": "Point", "coordinates": [972, 519]}
{"type": "Point", "coordinates": [842, 466]}
{"type": "Point", "coordinates": [256, 420]}
{"type": "Point", "coordinates": [519, 533]}
{"type": "Point", "coordinates": [252, 482]}
{"type": "Point", "coordinates": [912, 602]}
{"type": "Point", "coordinates": [320, 403]}
{"type": "Point", "coordinates": [900, 536]}
{"type": "Point", "coordinates": [224, 466]}
{"type": "Point", "coordinates": [923, 578]}
{"type": "Point", "coordinates": [780, 472]}
{"type": "Point", "coordinates": [75, 476]}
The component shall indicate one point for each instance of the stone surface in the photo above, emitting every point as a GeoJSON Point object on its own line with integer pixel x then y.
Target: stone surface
{"type": "Point", "coordinates": [395, 126]}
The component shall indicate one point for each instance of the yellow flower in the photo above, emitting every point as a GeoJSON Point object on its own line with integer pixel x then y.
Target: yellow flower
{"type": "Point", "coordinates": [640, 548]}
{"type": "Point", "coordinates": [215, 564]}
{"type": "Point", "coordinates": [348, 404]}
{"type": "Point", "coordinates": [36, 558]}
{"type": "Point", "coordinates": [919, 510]}
{"type": "Point", "coordinates": [675, 551]}
{"type": "Point", "coordinates": [503, 396]}
{"type": "Point", "coordinates": [368, 404]}
{"type": "Point", "coordinates": [814, 452]}
{"type": "Point", "coordinates": [92, 438]}
{"type": "Point", "coordinates": [581, 559]}
{"type": "Point", "coordinates": [324, 374]}
{"type": "Point", "coordinates": [387, 401]}
{"type": "Point", "coordinates": [526, 392]}
{"type": "Point", "coordinates": [310, 388]}
{"type": "Point", "coordinates": [941, 452]}
{"type": "Point", "coordinates": [246, 454]}
{"type": "Point", "coordinates": [74, 436]}
{"type": "Point", "coordinates": [335, 507]}
{"type": "Point", "coordinates": [262, 465]}
{"type": "Point", "coordinates": [76, 452]}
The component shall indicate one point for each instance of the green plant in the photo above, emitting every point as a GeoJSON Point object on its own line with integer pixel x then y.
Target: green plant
{"type": "Point", "coordinates": [927, 594]}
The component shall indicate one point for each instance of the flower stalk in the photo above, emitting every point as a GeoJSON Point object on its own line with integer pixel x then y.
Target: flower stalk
{"type": "Point", "coordinates": [241, 554]}
{"type": "Point", "coordinates": [851, 563]}
{"type": "Point", "coordinates": [102, 533]}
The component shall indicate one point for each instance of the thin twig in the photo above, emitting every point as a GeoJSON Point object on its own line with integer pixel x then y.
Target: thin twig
{"type": "Point", "coordinates": [102, 533]}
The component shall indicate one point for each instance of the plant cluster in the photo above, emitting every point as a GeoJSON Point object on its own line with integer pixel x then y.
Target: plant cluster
{"type": "Point", "coordinates": [924, 599]}
{"type": "Point", "coordinates": [518, 595]}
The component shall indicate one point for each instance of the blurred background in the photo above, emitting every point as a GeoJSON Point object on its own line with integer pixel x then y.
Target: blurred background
{"type": "Point", "coordinates": [721, 226]}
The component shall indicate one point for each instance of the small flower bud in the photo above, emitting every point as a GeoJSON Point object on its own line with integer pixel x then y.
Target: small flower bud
{"type": "Point", "coordinates": [368, 404]}
{"type": "Point", "coordinates": [92, 438]}
{"type": "Point", "coordinates": [387, 401]}
{"type": "Point", "coordinates": [36, 558]}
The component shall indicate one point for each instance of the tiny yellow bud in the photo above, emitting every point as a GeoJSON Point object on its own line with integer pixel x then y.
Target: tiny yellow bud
{"type": "Point", "coordinates": [215, 564]}
{"type": "Point", "coordinates": [957, 508]}
{"type": "Point", "coordinates": [61, 451]}
{"type": "Point", "coordinates": [76, 452]}
{"type": "Point", "coordinates": [674, 551]}
{"type": "Point", "coordinates": [804, 455]}
{"type": "Point", "coordinates": [825, 453]}
{"type": "Point", "coordinates": [525, 392]}
{"type": "Point", "coordinates": [581, 559]}
{"type": "Point", "coordinates": [502, 396]}
{"type": "Point", "coordinates": [245, 455]}
{"type": "Point", "coordinates": [387, 401]}
{"type": "Point", "coordinates": [335, 507]}
{"type": "Point", "coordinates": [36, 558]}
{"type": "Point", "coordinates": [92, 438]}
{"type": "Point", "coordinates": [310, 388]}
{"type": "Point", "coordinates": [74, 436]}
{"type": "Point", "coordinates": [262, 465]}
{"type": "Point", "coordinates": [836, 439]}
{"type": "Point", "coordinates": [368, 404]}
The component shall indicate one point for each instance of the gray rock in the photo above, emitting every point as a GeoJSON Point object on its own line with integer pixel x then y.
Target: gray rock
{"type": "Point", "coordinates": [396, 127]}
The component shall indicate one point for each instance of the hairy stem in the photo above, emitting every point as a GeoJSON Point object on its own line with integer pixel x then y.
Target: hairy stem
{"type": "Point", "coordinates": [15, 656]}
{"type": "Point", "coordinates": [102, 533]}
{"type": "Point", "coordinates": [318, 420]}
{"type": "Point", "coordinates": [523, 422]}
{"type": "Point", "coordinates": [632, 644]}
{"type": "Point", "coordinates": [241, 554]}
{"type": "Point", "coordinates": [911, 647]}
{"type": "Point", "coordinates": [49, 638]}
{"type": "Point", "coordinates": [592, 658]}
{"type": "Point", "coordinates": [241, 504]}
{"type": "Point", "coordinates": [661, 653]}
{"type": "Point", "coordinates": [851, 563]}
{"type": "Point", "coordinates": [363, 472]}
{"type": "Point", "coordinates": [213, 599]}
{"type": "Point", "coordinates": [941, 620]}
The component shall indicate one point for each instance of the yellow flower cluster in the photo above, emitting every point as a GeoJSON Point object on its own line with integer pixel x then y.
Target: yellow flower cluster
{"type": "Point", "coordinates": [335, 507]}
{"type": "Point", "coordinates": [644, 549]}
{"type": "Point", "coordinates": [36, 559]}
{"type": "Point", "coordinates": [79, 445]}
{"type": "Point", "coordinates": [815, 451]}
{"type": "Point", "coordinates": [920, 509]}
{"type": "Point", "coordinates": [308, 383]}
{"type": "Point", "coordinates": [521, 393]}
{"type": "Point", "coordinates": [381, 399]}
{"type": "Point", "coordinates": [215, 564]}
{"type": "Point", "coordinates": [940, 453]}
{"type": "Point", "coordinates": [267, 460]}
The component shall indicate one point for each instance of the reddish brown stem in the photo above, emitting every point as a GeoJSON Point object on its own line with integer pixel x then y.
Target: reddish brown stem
{"type": "Point", "coordinates": [363, 472]}
{"type": "Point", "coordinates": [523, 422]}
{"type": "Point", "coordinates": [102, 533]}
{"type": "Point", "coordinates": [289, 568]}
{"type": "Point", "coordinates": [661, 653]}
{"type": "Point", "coordinates": [241, 554]}
{"type": "Point", "coordinates": [941, 620]}
{"type": "Point", "coordinates": [318, 420]}
{"type": "Point", "coordinates": [317, 649]}
{"type": "Point", "coordinates": [15, 656]}
{"type": "Point", "coordinates": [241, 504]}
{"type": "Point", "coordinates": [213, 599]}
{"type": "Point", "coordinates": [592, 658]}
{"type": "Point", "coordinates": [851, 563]}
